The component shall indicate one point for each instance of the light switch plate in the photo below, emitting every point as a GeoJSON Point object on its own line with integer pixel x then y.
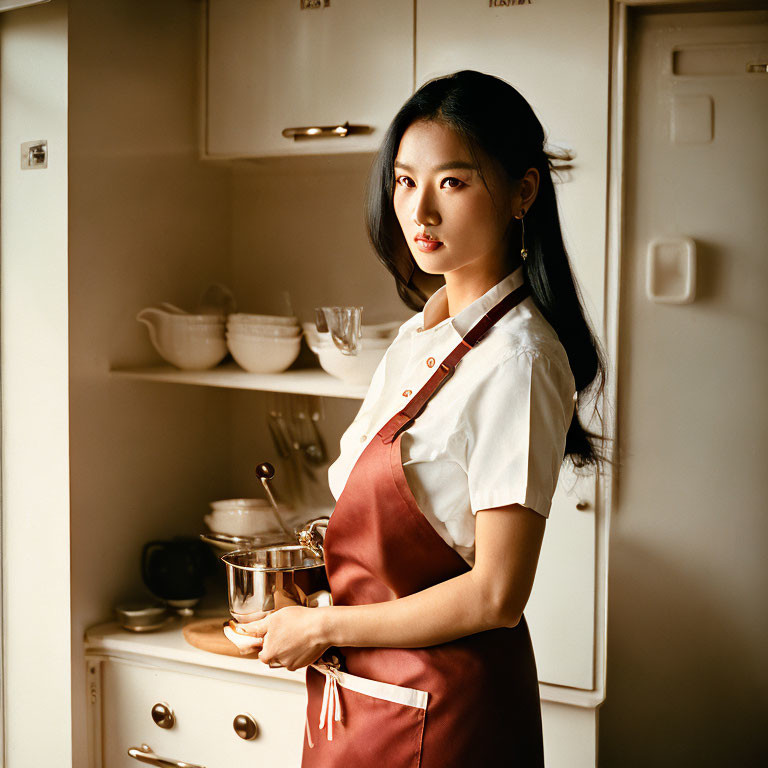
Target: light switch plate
{"type": "Point", "coordinates": [671, 270]}
{"type": "Point", "coordinates": [34, 155]}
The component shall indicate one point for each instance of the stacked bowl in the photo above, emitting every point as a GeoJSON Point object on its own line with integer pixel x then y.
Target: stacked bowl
{"type": "Point", "coordinates": [246, 517]}
{"type": "Point", "coordinates": [263, 343]}
{"type": "Point", "coordinates": [192, 342]}
{"type": "Point", "coordinates": [352, 369]}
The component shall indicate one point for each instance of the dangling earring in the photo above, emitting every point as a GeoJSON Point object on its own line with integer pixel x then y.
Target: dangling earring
{"type": "Point", "coordinates": [523, 251]}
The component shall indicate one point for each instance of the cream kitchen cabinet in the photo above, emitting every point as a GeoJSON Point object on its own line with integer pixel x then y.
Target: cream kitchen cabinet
{"type": "Point", "coordinates": [201, 705]}
{"type": "Point", "coordinates": [273, 65]}
{"type": "Point", "coordinates": [518, 45]}
{"type": "Point", "coordinates": [127, 674]}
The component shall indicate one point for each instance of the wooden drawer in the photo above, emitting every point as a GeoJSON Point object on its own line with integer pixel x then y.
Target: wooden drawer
{"type": "Point", "coordinates": [204, 707]}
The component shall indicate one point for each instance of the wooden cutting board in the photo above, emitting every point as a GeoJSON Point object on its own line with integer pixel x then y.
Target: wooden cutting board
{"type": "Point", "coordinates": [208, 635]}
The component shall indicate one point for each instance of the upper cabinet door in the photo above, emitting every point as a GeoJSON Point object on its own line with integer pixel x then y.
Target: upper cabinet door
{"type": "Point", "coordinates": [556, 54]}
{"type": "Point", "coordinates": [273, 65]}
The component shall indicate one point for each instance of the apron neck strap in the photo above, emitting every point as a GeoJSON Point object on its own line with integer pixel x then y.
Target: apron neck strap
{"type": "Point", "coordinates": [418, 402]}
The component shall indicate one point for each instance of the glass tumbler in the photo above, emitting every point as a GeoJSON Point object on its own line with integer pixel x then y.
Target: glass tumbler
{"type": "Point", "coordinates": [344, 324]}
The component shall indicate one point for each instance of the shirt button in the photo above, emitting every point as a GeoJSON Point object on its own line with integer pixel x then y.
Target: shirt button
{"type": "Point", "coordinates": [407, 393]}
{"type": "Point", "coordinates": [419, 330]}
{"type": "Point", "coordinates": [363, 438]}
{"type": "Point", "coordinates": [430, 362]}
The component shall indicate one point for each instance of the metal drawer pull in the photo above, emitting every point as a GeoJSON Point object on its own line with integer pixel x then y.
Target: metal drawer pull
{"type": "Point", "coordinates": [146, 755]}
{"type": "Point", "coordinates": [246, 727]}
{"type": "Point", "coordinates": [163, 715]}
{"type": "Point", "coordinates": [320, 131]}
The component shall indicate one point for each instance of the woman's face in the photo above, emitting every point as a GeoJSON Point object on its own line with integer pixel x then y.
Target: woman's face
{"type": "Point", "coordinates": [439, 192]}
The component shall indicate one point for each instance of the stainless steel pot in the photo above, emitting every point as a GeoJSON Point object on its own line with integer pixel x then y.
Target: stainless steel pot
{"type": "Point", "coordinates": [271, 577]}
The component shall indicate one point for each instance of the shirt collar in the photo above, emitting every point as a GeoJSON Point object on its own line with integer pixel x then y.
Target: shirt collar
{"type": "Point", "coordinates": [437, 304]}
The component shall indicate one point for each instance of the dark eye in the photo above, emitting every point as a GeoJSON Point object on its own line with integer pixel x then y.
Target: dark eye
{"type": "Point", "coordinates": [458, 182]}
{"type": "Point", "coordinates": [400, 178]}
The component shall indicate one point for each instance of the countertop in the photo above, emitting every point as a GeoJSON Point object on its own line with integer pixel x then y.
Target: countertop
{"type": "Point", "coordinates": [168, 644]}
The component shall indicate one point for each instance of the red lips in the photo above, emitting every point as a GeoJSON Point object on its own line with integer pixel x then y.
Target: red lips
{"type": "Point", "coordinates": [427, 238]}
{"type": "Point", "coordinates": [427, 244]}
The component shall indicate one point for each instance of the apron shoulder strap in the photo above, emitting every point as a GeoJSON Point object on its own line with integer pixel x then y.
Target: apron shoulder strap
{"type": "Point", "coordinates": [404, 418]}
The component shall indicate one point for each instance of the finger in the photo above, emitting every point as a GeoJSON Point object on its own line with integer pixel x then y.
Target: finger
{"type": "Point", "coordinates": [255, 616]}
{"type": "Point", "coordinates": [269, 661]}
{"type": "Point", "coordinates": [257, 628]}
{"type": "Point", "coordinates": [244, 643]}
{"type": "Point", "coordinates": [249, 645]}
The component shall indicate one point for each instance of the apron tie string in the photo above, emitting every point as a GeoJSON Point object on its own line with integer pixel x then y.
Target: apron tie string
{"type": "Point", "coordinates": [331, 707]}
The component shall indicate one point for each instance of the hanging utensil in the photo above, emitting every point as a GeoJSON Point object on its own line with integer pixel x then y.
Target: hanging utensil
{"type": "Point", "coordinates": [293, 458]}
{"type": "Point", "coordinates": [311, 448]}
{"type": "Point", "coordinates": [319, 452]}
{"type": "Point", "coordinates": [298, 441]}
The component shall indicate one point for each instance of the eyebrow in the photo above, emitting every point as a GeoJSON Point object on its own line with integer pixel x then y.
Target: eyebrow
{"type": "Point", "coordinates": [449, 166]}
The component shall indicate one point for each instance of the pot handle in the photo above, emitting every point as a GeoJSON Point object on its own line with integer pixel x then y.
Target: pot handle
{"type": "Point", "coordinates": [310, 538]}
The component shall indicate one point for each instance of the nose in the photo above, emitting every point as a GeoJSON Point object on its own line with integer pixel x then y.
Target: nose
{"type": "Point", "coordinates": [424, 211]}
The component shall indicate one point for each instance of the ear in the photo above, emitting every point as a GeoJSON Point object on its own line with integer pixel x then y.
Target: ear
{"type": "Point", "coordinates": [529, 188]}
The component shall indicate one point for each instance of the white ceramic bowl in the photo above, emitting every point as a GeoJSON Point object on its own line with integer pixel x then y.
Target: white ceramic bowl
{"type": "Point", "coordinates": [242, 317]}
{"type": "Point", "coordinates": [255, 522]}
{"type": "Point", "coordinates": [262, 354]}
{"type": "Point", "coordinates": [353, 369]}
{"type": "Point", "coordinates": [253, 329]}
{"type": "Point", "coordinates": [191, 346]}
{"type": "Point", "coordinates": [190, 349]}
{"type": "Point", "coordinates": [369, 340]}
{"type": "Point", "coordinates": [180, 316]}
{"type": "Point", "coordinates": [245, 517]}
{"type": "Point", "coordinates": [238, 503]}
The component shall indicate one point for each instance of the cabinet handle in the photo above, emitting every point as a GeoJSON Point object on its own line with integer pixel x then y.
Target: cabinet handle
{"type": "Point", "coordinates": [246, 727]}
{"type": "Point", "coordinates": [163, 716]}
{"type": "Point", "coordinates": [320, 131]}
{"type": "Point", "coordinates": [146, 755]}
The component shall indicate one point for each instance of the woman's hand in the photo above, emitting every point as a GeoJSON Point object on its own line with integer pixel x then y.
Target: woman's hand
{"type": "Point", "coordinates": [292, 636]}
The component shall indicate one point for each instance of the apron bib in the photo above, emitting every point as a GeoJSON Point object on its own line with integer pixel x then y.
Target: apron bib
{"type": "Point", "coordinates": [470, 701]}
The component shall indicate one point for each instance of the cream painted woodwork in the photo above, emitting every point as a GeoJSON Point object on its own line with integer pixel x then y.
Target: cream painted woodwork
{"type": "Point", "coordinates": [688, 557]}
{"type": "Point", "coordinates": [272, 65]}
{"type": "Point", "coordinates": [302, 381]}
{"type": "Point", "coordinates": [128, 673]}
{"type": "Point", "coordinates": [36, 672]}
{"type": "Point", "coordinates": [520, 44]}
{"type": "Point", "coordinates": [204, 705]}
{"type": "Point", "coordinates": [141, 220]}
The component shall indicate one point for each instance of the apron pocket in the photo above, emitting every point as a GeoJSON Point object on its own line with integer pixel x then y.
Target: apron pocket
{"type": "Point", "coordinates": [364, 721]}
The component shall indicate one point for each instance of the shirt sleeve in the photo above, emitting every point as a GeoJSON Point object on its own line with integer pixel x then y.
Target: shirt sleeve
{"type": "Point", "coordinates": [512, 432]}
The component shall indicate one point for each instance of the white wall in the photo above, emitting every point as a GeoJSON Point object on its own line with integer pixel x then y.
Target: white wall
{"type": "Point", "coordinates": [148, 223]}
{"type": "Point", "coordinates": [35, 439]}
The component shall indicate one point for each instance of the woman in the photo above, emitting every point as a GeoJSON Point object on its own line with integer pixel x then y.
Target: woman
{"type": "Point", "coordinates": [424, 658]}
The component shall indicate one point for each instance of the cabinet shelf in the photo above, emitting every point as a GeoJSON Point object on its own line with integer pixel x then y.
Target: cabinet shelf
{"type": "Point", "coordinates": [304, 381]}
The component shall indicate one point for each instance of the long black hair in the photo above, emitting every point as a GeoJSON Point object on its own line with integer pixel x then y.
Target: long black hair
{"type": "Point", "coordinates": [489, 115]}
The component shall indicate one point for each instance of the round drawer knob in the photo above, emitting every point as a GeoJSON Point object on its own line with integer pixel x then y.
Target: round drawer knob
{"type": "Point", "coordinates": [246, 727]}
{"type": "Point", "coordinates": [163, 715]}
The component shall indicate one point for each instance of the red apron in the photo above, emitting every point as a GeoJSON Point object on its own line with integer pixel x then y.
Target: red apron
{"type": "Point", "coordinates": [473, 701]}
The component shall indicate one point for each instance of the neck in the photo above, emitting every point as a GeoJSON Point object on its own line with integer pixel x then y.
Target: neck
{"type": "Point", "coordinates": [462, 288]}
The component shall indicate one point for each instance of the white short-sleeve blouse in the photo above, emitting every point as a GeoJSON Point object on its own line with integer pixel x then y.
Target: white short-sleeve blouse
{"type": "Point", "coordinates": [493, 435]}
